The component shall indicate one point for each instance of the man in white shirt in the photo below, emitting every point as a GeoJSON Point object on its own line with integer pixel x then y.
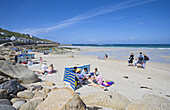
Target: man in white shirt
{"type": "Point", "coordinates": [44, 66]}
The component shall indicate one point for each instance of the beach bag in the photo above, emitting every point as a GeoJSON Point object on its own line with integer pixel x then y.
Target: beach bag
{"type": "Point", "coordinates": [146, 58]}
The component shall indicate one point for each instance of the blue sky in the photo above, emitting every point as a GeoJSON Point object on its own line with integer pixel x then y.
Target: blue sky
{"type": "Point", "coordinates": [89, 21]}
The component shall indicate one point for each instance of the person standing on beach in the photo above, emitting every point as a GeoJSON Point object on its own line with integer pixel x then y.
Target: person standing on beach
{"type": "Point", "coordinates": [140, 59]}
{"type": "Point", "coordinates": [131, 59]}
{"type": "Point", "coordinates": [106, 56]}
{"type": "Point", "coordinates": [40, 59]}
{"type": "Point", "coordinates": [146, 58]}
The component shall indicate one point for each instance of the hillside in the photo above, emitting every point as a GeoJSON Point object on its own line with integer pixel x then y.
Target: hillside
{"type": "Point", "coordinates": [8, 34]}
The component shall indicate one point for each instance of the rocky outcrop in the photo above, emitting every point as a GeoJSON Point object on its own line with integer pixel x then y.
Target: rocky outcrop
{"type": "Point", "coordinates": [3, 93]}
{"type": "Point", "coordinates": [18, 104]}
{"type": "Point", "coordinates": [109, 99]}
{"type": "Point", "coordinates": [46, 90]}
{"type": "Point", "coordinates": [1, 57]}
{"type": "Point", "coordinates": [150, 102]}
{"type": "Point", "coordinates": [12, 86]}
{"type": "Point", "coordinates": [40, 95]}
{"type": "Point", "coordinates": [35, 87]}
{"type": "Point", "coordinates": [90, 107]}
{"type": "Point", "coordinates": [25, 94]}
{"type": "Point", "coordinates": [3, 79]}
{"type": "Point", "coordinates": [62, 99]}
{"type": "Point", "coordinates": [6, 107]}
{"type": "Point", "coordinates": [19, 72]}
{"type": "Point", "coordinates": [17, 99]}
{"type": "Point", "coordinates": [5, 102]}
{"type": "Point", "coordinates": [31, 105]}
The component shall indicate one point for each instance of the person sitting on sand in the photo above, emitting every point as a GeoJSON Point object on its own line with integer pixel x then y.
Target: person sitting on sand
{"type": "Point", "coordinates": [44, 66]}
{"type": "Point", "coordinates": [98, 79]}
{"type": "Point", "coordinates": [50, 69]}
{"type": "Point", "coordinates": [74, 69]}
{"type": "Point", "coordinates": [29, 63]}
{"type": "Point", "coordinates": [94, 73]}
{"type": "Point", "coordinates": [131, 59]}
{"type": "Point", "coordinates": [85, 73]}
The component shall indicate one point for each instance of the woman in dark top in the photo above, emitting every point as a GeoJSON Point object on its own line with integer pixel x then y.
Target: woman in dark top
{"type": "Point", "coordinates": [131, 59]}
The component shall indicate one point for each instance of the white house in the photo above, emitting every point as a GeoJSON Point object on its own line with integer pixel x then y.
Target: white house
{"type": "Point", "coordinates": [3, 33]}
{"type": "Point", "coordinates": [31, 36]}
{"type": "Point", "coordinates": [13, 38]}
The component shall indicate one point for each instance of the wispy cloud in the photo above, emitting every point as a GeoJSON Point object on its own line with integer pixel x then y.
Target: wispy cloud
{"type": "Point", "coordinates": [132, 38]}
{"type": "Point", "coordinates": [89, 14]}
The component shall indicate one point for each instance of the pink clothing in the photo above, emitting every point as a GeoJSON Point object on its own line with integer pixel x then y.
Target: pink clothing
{"type": "Point", "coordinates": [40, 59]}
{"type": "Point", "coordinates": [99, 79]}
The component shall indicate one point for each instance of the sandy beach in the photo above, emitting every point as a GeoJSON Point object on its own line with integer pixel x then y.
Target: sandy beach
{"type": "Point", "coordinates": [154, 79]}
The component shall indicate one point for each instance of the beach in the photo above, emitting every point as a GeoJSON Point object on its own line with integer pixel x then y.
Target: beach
{"type": "Point", "coordinates": [132, 82]}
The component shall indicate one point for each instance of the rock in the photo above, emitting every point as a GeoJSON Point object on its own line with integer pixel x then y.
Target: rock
{"type": "Point", "coordinates": [12, 86]}
{"type": "Point", "coordinates": [89, 107]}
{"type": "Point", "coordinates": [18, 104]}
{"type": "Point", "coordinates": [3, 79]}
{"type": "Point", "coordinates": [36, 87]}
{"type": "Point", "coordinates": [39, 83]}
{"type": "Point", "coordinates": [108, 99]}
{"type": "Point", "coordinates": [10, 96]}
{"type": "Point", "coordinates": [62, 99]}
{"type": "Point", "coordinates": [19, 72]}
{"type": "Point", "coordinates": [1, 57]}
{"type": "Point", "coordinates": [25, 94]}
{"type": "Point", "coordinates": [6, 107]}
{"type": "Point", "coordinates": [5, 102]}
{"type": "Point", "coordinates": [6, 63]}
{"type": "Point", "coordinates": [48, 83]}
{"type": "Point", "coordinates": [3, 93]}
{"type": "Point", "coordinates": [31, 105]}
{"type": "Point", "coordinates": [149, 102]}
{"type": "Point", "coordinates": [40, 95]}
{"type": "Point", "coordinates": [17, 99]}
{"type": "Point", "coordinates": [46, 90]}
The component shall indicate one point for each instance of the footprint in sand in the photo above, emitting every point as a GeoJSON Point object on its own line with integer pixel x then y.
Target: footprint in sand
{"type": "Point", "coordinates": [126, 77]}
{"type": "Point", "coordinates": [145, 87]}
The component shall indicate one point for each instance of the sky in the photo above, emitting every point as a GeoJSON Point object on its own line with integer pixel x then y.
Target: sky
{"type": "Point", "coordinates": [89, 21]}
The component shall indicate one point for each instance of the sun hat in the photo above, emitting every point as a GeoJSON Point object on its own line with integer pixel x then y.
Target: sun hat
{"type": "Point", "coordinates": [78, 70]}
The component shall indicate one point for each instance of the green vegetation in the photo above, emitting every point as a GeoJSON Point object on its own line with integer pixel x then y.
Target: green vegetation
{"type": "Point", "coordinates": [19, 35]}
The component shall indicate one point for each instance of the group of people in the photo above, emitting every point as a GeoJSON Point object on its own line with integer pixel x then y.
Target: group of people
{"type": "Point", "coordinates": [47, 70]}
{"type": "Point", "coordinates": [85, 75]}
{"type": "Point", "coordinates": [139, 62]}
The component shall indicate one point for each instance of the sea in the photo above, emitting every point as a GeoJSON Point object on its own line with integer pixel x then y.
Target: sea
{"type": "Point", "coordinates": [159, 46]}
{"type": "Point", "coordinates": [156, 52]}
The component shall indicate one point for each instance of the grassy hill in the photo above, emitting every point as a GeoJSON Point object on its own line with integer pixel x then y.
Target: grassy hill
{"type": "Point", "coordinates": [19, 35]}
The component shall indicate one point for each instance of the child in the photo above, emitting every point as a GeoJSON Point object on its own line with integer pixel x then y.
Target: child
{"type": "Point", "coordinates": [135, 62]}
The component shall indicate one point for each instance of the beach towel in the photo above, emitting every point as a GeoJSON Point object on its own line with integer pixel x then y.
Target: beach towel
{"type": "Point", "coordinates": [107, 83]}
